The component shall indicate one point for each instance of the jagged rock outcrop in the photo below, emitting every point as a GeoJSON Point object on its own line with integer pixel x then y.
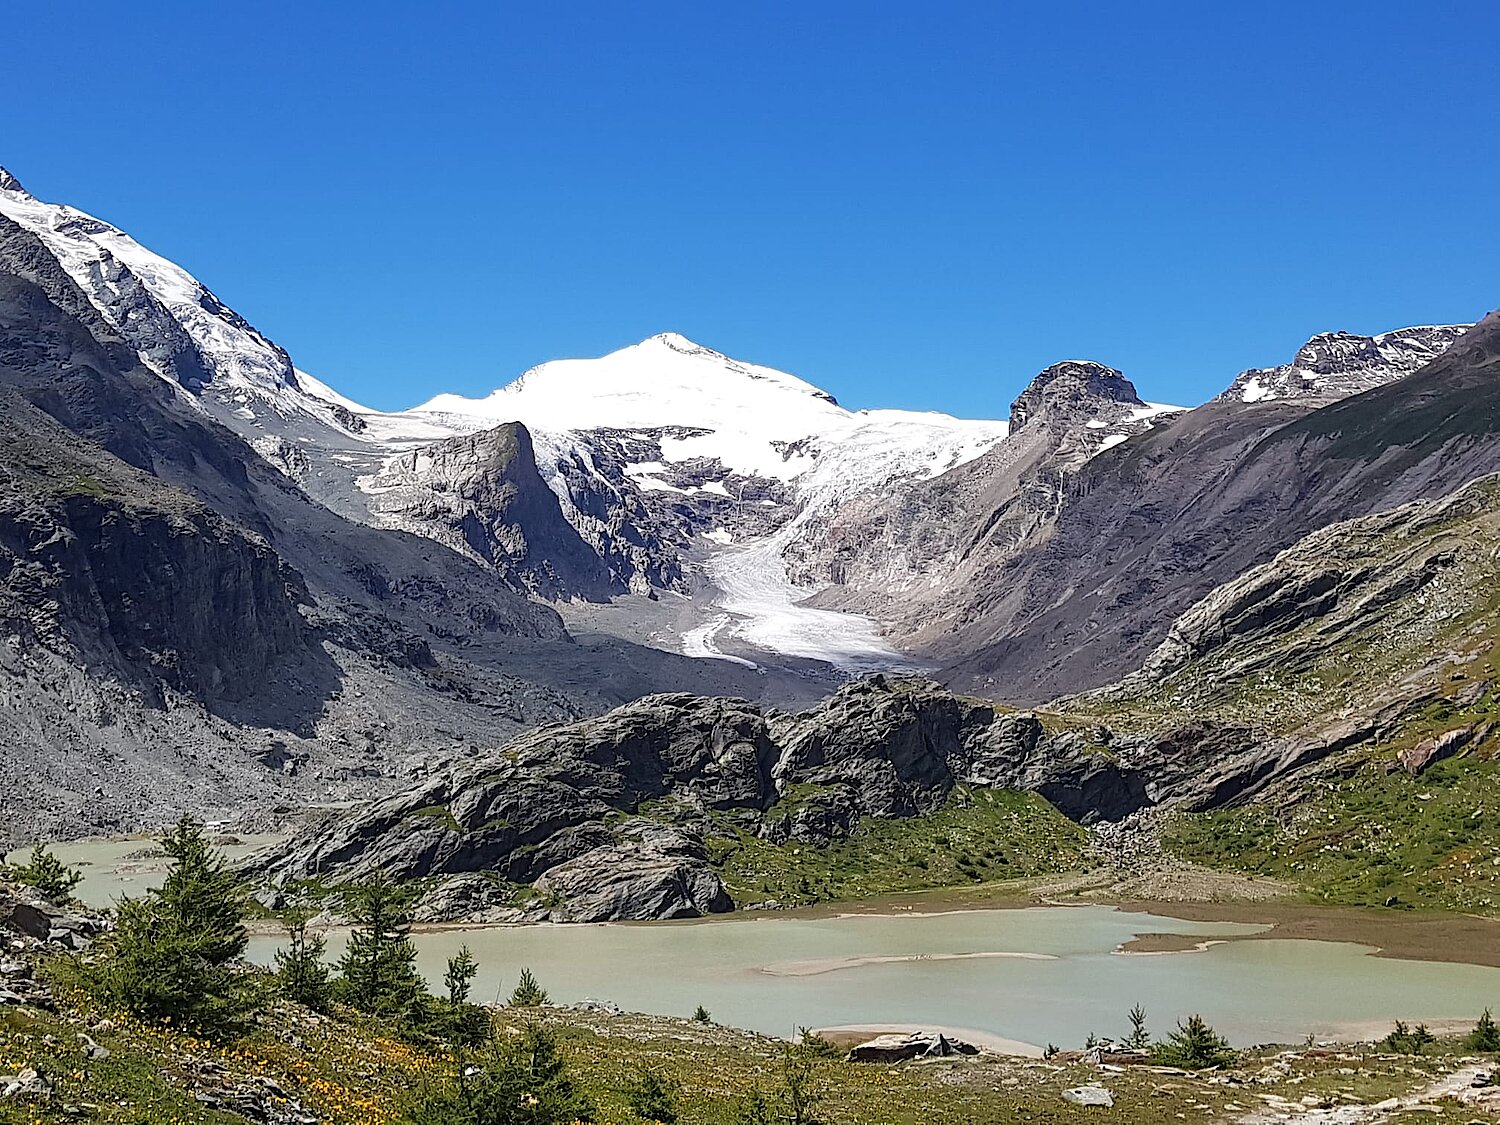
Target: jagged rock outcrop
{"type": "Point", "coordinates": [606, 818]}
{"type": "Point", "coordinates": [896, 554]}
{"type": "Point", "coordinates": [481, 494]}
{"type": "Point", "coordinates": [1336, 365]}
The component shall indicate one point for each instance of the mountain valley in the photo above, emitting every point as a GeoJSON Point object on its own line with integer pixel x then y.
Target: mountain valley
{"type": "Point", "coordinates": [1119, 611]}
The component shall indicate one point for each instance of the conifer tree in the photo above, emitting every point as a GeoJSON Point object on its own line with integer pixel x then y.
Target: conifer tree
{"type": "Point", "coordinates": [1139, 1038]}
{"type": "Point", "coordinates": [301, 974]}
{"type": "Point", "coordinates": [462, 968]}
{"type": "Point", "coordinates": [48, 875]}
{"type": "Point", "coordinates": [528, 992]}
{"type": "Point", "coordinates": [653, 1097]}
{"type": "Point", "coordinates": [1485, 1036]}
{"type": "Point", "coordinates": [174, 949]}
{"type": "Point", "coordinates": [378, 972]}
{"type": "Point", "coordinates": [519, 1080]}
{"type": "Point", "coordinates": [1194, 1046]}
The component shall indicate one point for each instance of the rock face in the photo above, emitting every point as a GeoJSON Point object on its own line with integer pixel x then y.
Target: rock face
{"type": "Point", "coordinates": [183, 628]}
{"type": "Point", "coordinates": [1336, 365]}
{"type": "Point", "coordinates": [606, 818]}
{"type": "Point", "coordinates": [897, 553]}
{"type": "Point", "coordinates": [653, 872]}
{"type": "Point", "coordinates": [481, 494]}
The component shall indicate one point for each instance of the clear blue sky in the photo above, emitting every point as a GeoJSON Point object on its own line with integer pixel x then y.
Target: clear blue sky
{"type": "Point", "coordinates": [912, 205]}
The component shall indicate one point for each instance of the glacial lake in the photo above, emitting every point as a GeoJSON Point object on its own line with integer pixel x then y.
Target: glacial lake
{"type": "Point", "coordinates": [1038, 975]}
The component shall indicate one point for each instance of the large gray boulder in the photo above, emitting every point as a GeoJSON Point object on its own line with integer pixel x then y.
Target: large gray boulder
{"type": "Point", "coordinates": [655, 872]}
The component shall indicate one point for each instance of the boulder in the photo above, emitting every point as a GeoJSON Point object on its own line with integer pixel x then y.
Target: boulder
{"type": "Point", "coordinates": [1415, 759]}
{"type": "Point", "coordinates": [23, 918]}
{"type": "Point", "coordinates": [1089, 1095]}
{"type": "Point", "coordinates": [634, 880]}
{"type": "Point", "coordinates": [25, 1083]}
{"type": "Point", "coordinates": [914, 1045]}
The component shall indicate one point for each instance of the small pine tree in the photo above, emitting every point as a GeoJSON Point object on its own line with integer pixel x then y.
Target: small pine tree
{"type": "Point", "coordinates": [528, 993]}
{"type": "Point", "coordinates": [1422, 1038]}
{"type": "Point", "coordinates": [1139, 1038]}
{"type": "Point", "coordinates": [378, 972]}
{"type": "Point", "coordinates": [48, 875]}
{"type": "Point", "coordinates": [1405, 1040]}
{"type": "Point", "coordinates": [1193, 1046]}
{"type": "Point", "coordinates": [1485, 1037]}
{"type": "Point", "coordinates": [798, 1093]}
{"type": "Point", "coordinates": [702, 1014]}
{"type": "Point", "coordinates": [462, 968]}
{"type": "Point", "coordinates": [173, 950]}
{"type": "Point", "coordinates": [791, 1101]}
{"type": "Point", "coordinates": [653, 1097]}
{"type": "Point", "coordinates": [521, 1080]}
{"type": "Point", "coordinates": [816, 1045]}
{"type": "Point", "coordinates": [1399, 1040]}
{"type": "Point", "coordinates": [754, 1108]}
{"type": "Point", "coordinates": [301, 974]}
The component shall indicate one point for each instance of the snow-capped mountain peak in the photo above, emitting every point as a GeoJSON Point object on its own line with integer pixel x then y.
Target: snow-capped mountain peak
{"type": "Point", "coordinates": [152, 302]}
{"type": "Point", "coordinates": [665, 382]}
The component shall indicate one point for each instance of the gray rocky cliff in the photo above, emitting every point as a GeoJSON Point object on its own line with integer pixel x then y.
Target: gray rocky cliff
{"type": "Point", "coordinates": [1148, 529]}
{"type": "Point", "coordinates": [481, 494]}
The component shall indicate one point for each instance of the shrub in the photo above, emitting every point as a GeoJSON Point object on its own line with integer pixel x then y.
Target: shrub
{"type": "Point", "coordinates": [522, 1080]}
{"type": "Point", "coordinates": [528, 993]}
{"type": "Point", "coordinates": [48, 875]}
{"type": "Point", "coordinates": [1485, 1036]}
{"type": "Point", "coordinates": [793, 1098]}
{"type": "Point", "coordinates": [1405, 1040]}
{"type": "Point", "coordinates": [1193, 1046]}
{"type": "Point", "coordinates": [653, 1097]}
{"type": "Point", "coordinates": [816, 1045]}
{"type": "Point", "coordinates": [172, 950]}
{"type": "Point", "coordinates": [378, 972]}
{"type": "Point", "coordinates": [702, 1014]}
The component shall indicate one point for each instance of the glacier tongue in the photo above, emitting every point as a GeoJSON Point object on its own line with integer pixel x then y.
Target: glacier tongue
{"type": "Point", "coordinates": [755, 590]}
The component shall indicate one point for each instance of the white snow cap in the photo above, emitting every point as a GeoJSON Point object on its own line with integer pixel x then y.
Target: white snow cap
{"type": "Point", "coordinates": [93, 252]}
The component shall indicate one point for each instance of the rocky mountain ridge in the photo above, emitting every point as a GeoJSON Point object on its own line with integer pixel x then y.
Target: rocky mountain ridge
{"type": "Point", "coordinates": [1149, 528]}
{"type": "Point", "coordinates": [1254, 691]}
{"type": "Point", "coordinates": [666, 456]}
{"type": "Point", "coordinates": [1335, 365]}
{"type": "Point", "coordinates": [221, 552]}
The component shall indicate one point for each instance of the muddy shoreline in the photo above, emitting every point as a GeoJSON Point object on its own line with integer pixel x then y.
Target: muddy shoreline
{"type": "Point", "coordinates": [1400, 935]}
